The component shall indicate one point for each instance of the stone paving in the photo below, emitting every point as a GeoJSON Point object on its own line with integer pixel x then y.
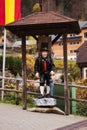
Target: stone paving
{"type": "Point", "coordinates": [82, 125]}
{"type": "Point", "coordinates": [12, 117]}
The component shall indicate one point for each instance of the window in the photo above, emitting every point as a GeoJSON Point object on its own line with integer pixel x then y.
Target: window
{"type": "Point", "coordinates": [72, 35]}
{"type": "Point", "coordinates": [75, 51]}
{"type": "Point", "coordinates": [60, 44]}
{"type": "Point", "coordinates": [72, 51]}
{"type": "Point", "coordinates": [74, 43]}
{"type": "Point", "coordinates": [77, 42]}
{"type": "Point", "coordinates": [71, 59]}
{"type": "Point", "coordinates": [71, 43]}
{"type": "Point", "coordinates": [85, 34]}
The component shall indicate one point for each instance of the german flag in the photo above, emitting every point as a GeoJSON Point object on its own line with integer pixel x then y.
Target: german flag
{"type": "Point", "coordinates": [10, 10]}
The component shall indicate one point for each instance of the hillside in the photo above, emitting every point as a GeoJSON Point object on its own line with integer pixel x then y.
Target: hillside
{"type": "Point", "coordinates": [73, 8]}
{"type": "Point", "coordinates": [77, 9]}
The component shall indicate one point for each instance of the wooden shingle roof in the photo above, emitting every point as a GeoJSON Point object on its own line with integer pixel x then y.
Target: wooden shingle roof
{"type": "Point", "coordinates": [82, 54]}
{"type": "Point", "coordinates": [39, 23]}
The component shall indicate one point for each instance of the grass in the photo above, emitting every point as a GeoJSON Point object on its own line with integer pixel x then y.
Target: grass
{"type": "Point", "coordinates": [10, 99]}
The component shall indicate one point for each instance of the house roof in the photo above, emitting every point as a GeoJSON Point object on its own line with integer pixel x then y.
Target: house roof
{"type": "Point", "coordinates": [83, 24]}
{"type": "Point", "coordinates": [28, 42]}
{"type": "Point", "coordinates": [82, 54]}
{"type": "Point", "coordinates": [40, 23]}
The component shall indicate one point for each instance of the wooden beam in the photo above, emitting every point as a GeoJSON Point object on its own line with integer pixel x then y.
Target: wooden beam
{"type": "Point", "coordinates": [41, 4]}
{"type": "Point", "coordinates": [56, 38]}
{"type": "Point", "coordinates": [24, 72]}
{"type": "Point", "coordinates": [35, 37]}
{"type": "Point", "coordinates": [66, 87]}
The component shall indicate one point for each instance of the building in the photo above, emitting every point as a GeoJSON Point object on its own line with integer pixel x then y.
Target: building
{"type": "Point", "coordinates": [82, 59]}
{"type": "Point", "coordinates": [73, 43]}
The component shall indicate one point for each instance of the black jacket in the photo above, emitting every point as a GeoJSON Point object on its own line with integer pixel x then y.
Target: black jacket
{"type": "Point", "coordinates": [38, 65]}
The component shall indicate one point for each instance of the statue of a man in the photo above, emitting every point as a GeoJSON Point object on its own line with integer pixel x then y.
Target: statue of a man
{"type": "Point", "coordinates": [44, 68]}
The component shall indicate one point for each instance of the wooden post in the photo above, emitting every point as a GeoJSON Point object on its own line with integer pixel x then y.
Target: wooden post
{"type": "Point", "coordinates": [41, 4]}
{"type": "Point", "coordinates": [24, 72]}
{"type": "Point", "coordinates": [17, 95]}
{"type": "Point", "coordinates": [66, 88]}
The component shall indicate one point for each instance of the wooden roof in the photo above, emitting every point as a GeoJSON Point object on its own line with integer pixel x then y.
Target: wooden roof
{"type": "Point", "coordinates": [82, 54]}
{"type": "Point", "coordinates": [40, 23]}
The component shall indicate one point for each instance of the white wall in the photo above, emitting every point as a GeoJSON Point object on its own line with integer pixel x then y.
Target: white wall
{"type": "Point", "coordinates": [84, 73]}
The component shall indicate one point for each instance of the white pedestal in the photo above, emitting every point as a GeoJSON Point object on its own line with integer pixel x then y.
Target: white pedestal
{"type": "Point", "coordinates": [44, 102]}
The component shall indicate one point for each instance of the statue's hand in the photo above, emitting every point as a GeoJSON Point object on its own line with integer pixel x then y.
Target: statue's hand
{"type": "Point", "coordinates": [37, 75]}
{"type": "Point", "coordinates": [52, 73]}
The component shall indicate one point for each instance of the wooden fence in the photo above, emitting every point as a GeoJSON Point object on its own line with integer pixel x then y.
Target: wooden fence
{"type": "Point", "coordinates": [17, 91]}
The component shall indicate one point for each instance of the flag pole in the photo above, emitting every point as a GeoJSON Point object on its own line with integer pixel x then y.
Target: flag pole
{"type": "Point", "coordinates": [3, 67]}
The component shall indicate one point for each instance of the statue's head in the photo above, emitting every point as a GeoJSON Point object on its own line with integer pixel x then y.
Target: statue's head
{"type": "Point", "coordinates": [44, 52]}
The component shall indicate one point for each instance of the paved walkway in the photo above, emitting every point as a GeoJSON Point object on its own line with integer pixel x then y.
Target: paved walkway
{"type": "Point", "coordinates": [12, 117]}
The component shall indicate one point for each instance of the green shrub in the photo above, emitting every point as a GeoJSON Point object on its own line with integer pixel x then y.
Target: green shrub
{"type": "Point", "coordinates": [81, 93]}
{"type": "Point", "coordinates": [14, 64]}
{"type": "Point", "coordinates": [82, 109]}
{"type": "Point", "coordinates": [11, 99]}
{"type": "Point", "coordinates": [30, 102]}
{"type": "Point", "coordinates": [73, 70]}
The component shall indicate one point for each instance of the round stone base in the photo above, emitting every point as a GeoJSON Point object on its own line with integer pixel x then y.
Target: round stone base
{"type": "Point", "coordinates": [43, 102]}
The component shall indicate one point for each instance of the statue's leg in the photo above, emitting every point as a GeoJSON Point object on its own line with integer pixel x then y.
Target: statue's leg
{"type": "Point", "coordinates": [51, 87]}
{"type": "Point", "coordinates": [48, 90]}
{"type": "Point", "coordinates": [42, 90]}
{"type": "Point", "coordinates": [47, 85]}
{"type": "Point", "coordinates": [42, 82]}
